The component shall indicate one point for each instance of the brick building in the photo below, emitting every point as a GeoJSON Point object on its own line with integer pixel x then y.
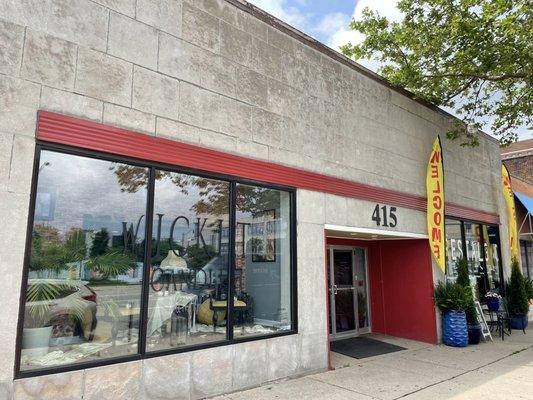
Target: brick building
{"type": "Point", "coordinates": [159, 157]}
{"type": "Point", "coordinates": [518, 158]}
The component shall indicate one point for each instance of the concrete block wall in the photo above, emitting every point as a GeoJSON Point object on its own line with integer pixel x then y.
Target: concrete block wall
{"type": "Point", "coordinates": [208, 73]}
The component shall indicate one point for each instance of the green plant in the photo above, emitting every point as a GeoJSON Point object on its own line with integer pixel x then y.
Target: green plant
{"type": "Point", "coordinates": [463, 279]}
{"type": "Point", "coordinates": [451, 296]}
{"type": "Point", "coordinates": [529, 288]}
{"type": "Point", "coordinates": [517, 298]}
{"type": "Point", "coordinates": [111, 263]}
{"type": "Point", "coordinates": [39, 297]}
{"type": "Point", "coordinates": [100, 243]}
{"type": "Point", "coordinates": [473, 56]}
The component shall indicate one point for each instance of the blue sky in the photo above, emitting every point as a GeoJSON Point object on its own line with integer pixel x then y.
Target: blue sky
{"type": "Point", "coordinates": [326, 20]}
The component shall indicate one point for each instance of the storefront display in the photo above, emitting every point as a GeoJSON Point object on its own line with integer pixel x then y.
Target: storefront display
{"type": "Point", "coordinates": [91, 266]}
{"type": "Point", "coordinates": [479, 244]}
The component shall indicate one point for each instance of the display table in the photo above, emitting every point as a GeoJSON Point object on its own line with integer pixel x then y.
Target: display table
{"type": "Point", "coordinates": [164, 305]}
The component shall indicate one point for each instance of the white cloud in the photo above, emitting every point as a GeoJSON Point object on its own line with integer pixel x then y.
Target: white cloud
{"type": "Point", "coordinates": [281, 10]}
{"type": "Point", "coordinates": [343, 34]}
{"type": "Point", "coordinates": [330, 23]}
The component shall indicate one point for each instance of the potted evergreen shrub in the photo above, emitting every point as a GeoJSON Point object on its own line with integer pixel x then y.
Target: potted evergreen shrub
{"type": "Point", "coordinates": [463, 279]}
{"type": "Point", "coordinates": [451, 298]}
{"type": "Point", "coordinates": [517, 298]}
{"type": "Point", "coordinates": [529, 288]}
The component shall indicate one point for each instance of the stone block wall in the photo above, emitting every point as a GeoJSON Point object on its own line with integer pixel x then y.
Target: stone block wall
{"type": "Point", "coordinates": [208, 73]}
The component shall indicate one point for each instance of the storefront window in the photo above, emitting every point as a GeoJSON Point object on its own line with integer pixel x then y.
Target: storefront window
{"type": "Point", "coordinates": [262, 261]}
{"type": "Point", "coordinates": [127, 259]}
{"type": "Point", "coordinates": [189, 274]}
{"type": "Point", "coordinates": [454, 247]}
{"type": "Point", "coordinates": [86, 265]}
{"type": "Point", "coordinates": [474, 257]}
{"type": "Point", "coordinates": [492, 254]}
{"type": "Point", "coordinates": [480, 244]}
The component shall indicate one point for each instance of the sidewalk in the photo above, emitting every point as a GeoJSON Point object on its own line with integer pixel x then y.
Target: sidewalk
{"type": "Point", "coordinates": [493, 370]}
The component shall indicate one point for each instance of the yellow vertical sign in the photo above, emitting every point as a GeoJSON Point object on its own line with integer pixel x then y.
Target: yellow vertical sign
{"type": "Point", "coordinates": [435, 206]}
{"type": "Point", "coordinates": [511, 212]}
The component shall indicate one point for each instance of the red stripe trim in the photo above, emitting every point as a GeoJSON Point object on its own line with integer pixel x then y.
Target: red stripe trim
{"type": "Point", "coordinates": [61, 129]}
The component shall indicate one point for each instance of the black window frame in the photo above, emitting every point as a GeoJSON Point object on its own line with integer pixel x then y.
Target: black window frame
{"type": "Point", "coordinates": [142, 353]}
{"type": "Point", "coordinates": [482, 247]}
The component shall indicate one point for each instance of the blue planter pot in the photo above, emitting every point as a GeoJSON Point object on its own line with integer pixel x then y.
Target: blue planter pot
{"type": "Point", "coordinates": [519, 322]}
{"type": "Point", "coordinates": [454, 329]}
{"type": "Point", "coordinates": [493, 304]}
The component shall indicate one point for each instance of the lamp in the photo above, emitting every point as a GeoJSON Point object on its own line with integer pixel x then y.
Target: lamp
{"type": "Point", "coordinates": [173, 261]}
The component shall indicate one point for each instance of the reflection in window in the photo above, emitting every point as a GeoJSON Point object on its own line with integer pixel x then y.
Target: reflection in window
{"type": "Point", "coordinates": [454, 247]}
{"type": "Point", "coordinates": [189, 275]}
{"type": "Point", "coordinates": [474, 258]}
{"type": "Point", "coordinates": [88, 252]}
{"type": "Point", "coordinates": [482, 254]}
{"type": "Point", "coordinates": [262, 303]}
{"type": "Point", "coordinates": [85, 273]}
{"type": "Point", "coordinates": [490, 236]}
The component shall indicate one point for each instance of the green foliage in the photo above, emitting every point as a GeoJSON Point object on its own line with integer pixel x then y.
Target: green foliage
{"type": "Point", "coordinates": [40, 295]}
{"type": "Point", "coordinates": [463, 279]}
{"type": "Point", "coordinates": [517, 299]}
{"type": "Point", "coordinates": [111, 263]}
{"type": "Point", "coordinates": [199, 256]}
{"type": "Point", "coordinates": [100, 243]}
{"type": "Point", "coordinates": [54, 256]}
{"type": "Point", "coordinates": [451, 296]}
{"type": "Point", "coordinates": [529, 288]}
{"type": "Point", "coordinates": [475, 56]}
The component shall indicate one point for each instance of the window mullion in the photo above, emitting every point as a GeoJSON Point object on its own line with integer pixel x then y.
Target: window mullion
{"type": "Point", "coordinates": [231, 266]}
{"type": "Point", "coordinates": [147, 261]}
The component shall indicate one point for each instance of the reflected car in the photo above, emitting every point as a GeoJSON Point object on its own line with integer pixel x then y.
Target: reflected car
{"type": "Point", "coordinates": [71, 312]}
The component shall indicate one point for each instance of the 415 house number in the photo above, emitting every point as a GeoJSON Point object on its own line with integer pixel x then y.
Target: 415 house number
{"type": "Point", "coordinates": [385, 216]}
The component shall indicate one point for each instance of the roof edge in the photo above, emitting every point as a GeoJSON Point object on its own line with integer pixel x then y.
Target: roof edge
{"type": "Point", "coordinates": [309, 41]}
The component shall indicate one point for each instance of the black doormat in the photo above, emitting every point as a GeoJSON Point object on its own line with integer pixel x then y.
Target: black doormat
{"type": "Point", "coordinates": [362, 347]}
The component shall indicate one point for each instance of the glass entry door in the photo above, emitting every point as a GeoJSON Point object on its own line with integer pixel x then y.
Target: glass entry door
{"type": "Point", "coordinates": [347, 280]}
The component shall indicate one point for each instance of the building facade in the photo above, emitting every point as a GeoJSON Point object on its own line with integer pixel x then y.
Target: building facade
{"type": "Point", "coordinates": [197, 198]}
{"type": "Point", "coordinates": [518, 158]}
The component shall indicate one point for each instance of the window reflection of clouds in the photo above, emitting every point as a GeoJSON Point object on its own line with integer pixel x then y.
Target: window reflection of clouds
{"type": "Point", "coordinates": [87, 187]}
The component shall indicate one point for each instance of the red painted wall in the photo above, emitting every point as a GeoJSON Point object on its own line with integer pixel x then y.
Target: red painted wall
{"type": "Point", "coordinates": [401, 287]}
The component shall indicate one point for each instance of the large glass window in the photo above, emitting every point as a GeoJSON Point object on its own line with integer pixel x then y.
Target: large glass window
{"type": "Point", "coordinates": [86, 265]}
{"type": "Point", "coordinates": [492, 255]}
{"type": "Point", "coordinates": [454, 247]}
{"type": "Point", "coordinates": [127, 259]}
{"type": "Point", "coordinates": [190, 261]}
{"type": "Point", "coordinates": [474, 257]}
{"type": "Point", "coordinates": [480, 244]}
{"type": "Point", "coordinates": [262, 302]}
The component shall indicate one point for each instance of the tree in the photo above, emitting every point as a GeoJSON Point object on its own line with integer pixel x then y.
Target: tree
{"type": "Point", "coordinates": [100, 242]}
{"type": "Point", "coordinates": [517, 299]}
{"type": "Point", "coordinates": [475, 56]}
{"type": "Point", "coordinates": [463, 279]}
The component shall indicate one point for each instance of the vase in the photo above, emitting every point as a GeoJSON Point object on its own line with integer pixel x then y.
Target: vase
{"type": "Point", "coordinates": [36, 341]}
{"type": "Point", "coordinates": [454, 329]}
{"type": "Point", "coordinates": [474, 333]}
{"type": "Point", "coordinates": [493, 304]}
{"type": "Point", "coordinates": [518, 322]}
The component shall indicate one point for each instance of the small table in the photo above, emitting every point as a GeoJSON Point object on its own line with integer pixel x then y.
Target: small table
{"type": "Point", "coordinates": [497, 322]}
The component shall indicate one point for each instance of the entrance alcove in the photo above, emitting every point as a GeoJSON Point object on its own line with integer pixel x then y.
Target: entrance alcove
{"type": "Point", "coordinates": [399, 283]}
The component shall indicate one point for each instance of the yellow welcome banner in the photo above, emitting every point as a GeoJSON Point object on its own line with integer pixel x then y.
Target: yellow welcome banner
{"type": "Point", "coordinates": [511, 212]}
{"type": "Point", "coordinates": [435, 207]}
